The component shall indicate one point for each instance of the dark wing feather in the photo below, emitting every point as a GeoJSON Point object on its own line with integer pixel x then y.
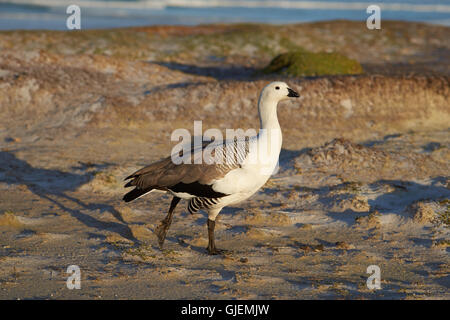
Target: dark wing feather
{"type": "Point", "coordinates": [195, 179]}
{"type": "Point", "coordinates": [135, 193]}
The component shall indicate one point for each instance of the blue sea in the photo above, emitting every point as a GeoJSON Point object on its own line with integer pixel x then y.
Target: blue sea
{"type": "Point", "coordinates": [51, 14]}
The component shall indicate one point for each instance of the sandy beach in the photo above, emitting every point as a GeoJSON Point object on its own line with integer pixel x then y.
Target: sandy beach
{"type": "Point", "coordinates": [363, 179]}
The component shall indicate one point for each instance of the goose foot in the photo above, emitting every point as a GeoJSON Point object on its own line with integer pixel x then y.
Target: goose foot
{"type": "Point", "coordinates": [161, 232]}
{"type": "Point", "coordinates": [215, 251]}
{"type": "Point", "coordinates": [212, 250]}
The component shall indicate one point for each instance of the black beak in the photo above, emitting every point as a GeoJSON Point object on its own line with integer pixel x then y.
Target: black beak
{"type": "Point", "coordinates": [292, 93]}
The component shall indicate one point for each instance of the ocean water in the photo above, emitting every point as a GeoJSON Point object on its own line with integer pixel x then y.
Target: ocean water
{"type": "Point", "coordinates": [51, 14]}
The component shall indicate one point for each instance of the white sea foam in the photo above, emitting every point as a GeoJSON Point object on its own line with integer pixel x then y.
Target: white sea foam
{"type": "Point", "coordinates": [162, 4]}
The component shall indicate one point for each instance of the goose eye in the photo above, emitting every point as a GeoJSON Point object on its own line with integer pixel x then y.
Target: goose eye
{"type": "Point", "coordinates": [277, 88]}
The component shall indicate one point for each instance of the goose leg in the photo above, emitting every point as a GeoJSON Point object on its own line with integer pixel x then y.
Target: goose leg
{"type": "Point", "coordinates": [212, 250]}
{"type": "Point", "coordinates": [162, 229]}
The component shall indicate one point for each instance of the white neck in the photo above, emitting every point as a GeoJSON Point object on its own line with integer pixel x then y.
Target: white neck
{"type": "Point", "coordinates": [269, 137]}
{"type": "Point", "coordinates": [268, 113]}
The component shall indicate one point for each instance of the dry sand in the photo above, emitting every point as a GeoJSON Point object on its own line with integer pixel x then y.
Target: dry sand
{"type": "Point", "coordinates": [363, 180]}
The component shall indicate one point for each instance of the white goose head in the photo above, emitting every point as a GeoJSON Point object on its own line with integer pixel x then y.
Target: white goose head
{"type": "Point", "coordinates": [268, 100]}
{"type": "Point", "coordinates": [277, 91]}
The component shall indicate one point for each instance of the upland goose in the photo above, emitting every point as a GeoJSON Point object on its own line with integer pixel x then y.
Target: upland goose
{"type": "Point", "coordinates": [240, 167]}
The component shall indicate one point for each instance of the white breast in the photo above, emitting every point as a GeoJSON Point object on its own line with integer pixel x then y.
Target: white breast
{"type": "Point", "coordinates": [256, 169]}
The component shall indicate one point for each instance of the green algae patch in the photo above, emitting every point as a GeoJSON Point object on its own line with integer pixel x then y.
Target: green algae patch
{"type": "Point", "coordinates": [303, 63]}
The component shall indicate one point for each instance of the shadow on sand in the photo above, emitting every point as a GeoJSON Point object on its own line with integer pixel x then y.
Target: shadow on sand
{"type": "Point", "coordinates": [219, 73]}
{"type": "Point", "coordinates": [52, 186]}
{"type": "Point", "coordinates": [405, 193]}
